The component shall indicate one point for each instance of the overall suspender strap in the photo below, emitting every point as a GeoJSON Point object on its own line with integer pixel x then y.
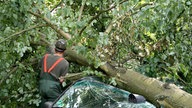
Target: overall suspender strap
{"type": "Point", "coordinates": [53, 66]}
{"type": "Point", "coordinates": [45, 63]}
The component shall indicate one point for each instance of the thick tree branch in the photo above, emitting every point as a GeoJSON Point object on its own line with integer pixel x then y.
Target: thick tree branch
{"type": "Point", "coordinates": [53, 26]}
{"type": "Point", "coordinates": [74, 57]}
{"type": "Point", "coordinates": [97, 15]}
{"type": "Point", "coordinates": [74, 76]}
{"type": "Point", "coordinates": [23, 31]}
{"type": "Point", "coordinates": [138, 83]}
{"type": "Point", "coordinates": [80, 13]}
{"type": "Point", "coordinates": [122, 17]}
{"type": "Point", "coordinates": [129, 13]}
{"type": "Point", "coordinates": [81, 10]}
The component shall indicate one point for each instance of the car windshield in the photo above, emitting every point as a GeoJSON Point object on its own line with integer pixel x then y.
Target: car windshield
{"type": "Point", "coordinates": [91, 93]}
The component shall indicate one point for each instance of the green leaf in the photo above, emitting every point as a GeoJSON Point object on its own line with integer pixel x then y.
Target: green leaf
{"type": "Point", "coordinates": [7, 81]}
{"type": "Point", "coordinates": [15, 16]}
{"type": "Point", "coordinates": [188, 3]}
{"type": "Point", "coordinates": [20, 90]}
{"type": "Point", "coordinates": [151, 35]}
{"type": "Point", "coordinates": [28, 86]}
{"type": "Point", "coordinates": [112, 81]}
{"type": "Point", "coordinates": [183, 69]}
{"type": "Point", "coordinates": [163, 56]}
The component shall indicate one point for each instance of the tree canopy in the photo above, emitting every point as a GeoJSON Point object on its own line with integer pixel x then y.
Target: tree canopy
{"type": "Point", "coordinates": [153, 37]}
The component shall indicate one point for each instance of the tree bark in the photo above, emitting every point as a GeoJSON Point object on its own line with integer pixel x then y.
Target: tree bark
{"type": "Point", "coordinates": [155, 91]}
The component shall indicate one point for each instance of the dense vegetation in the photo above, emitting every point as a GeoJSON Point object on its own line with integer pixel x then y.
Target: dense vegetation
{"type": "Point", "coordinates": [153, 37]}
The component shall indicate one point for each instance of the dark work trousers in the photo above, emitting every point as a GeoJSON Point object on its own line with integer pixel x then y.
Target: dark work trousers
{"type": "Point", "coordinates": [49, 91]}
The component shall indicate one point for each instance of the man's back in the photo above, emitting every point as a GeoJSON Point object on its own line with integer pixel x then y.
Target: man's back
{"type": "Point", "coordinates": [59, 69]}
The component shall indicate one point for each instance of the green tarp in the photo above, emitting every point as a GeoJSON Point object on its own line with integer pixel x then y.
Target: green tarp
{"type": "Point", "coordinates": [91, 93]}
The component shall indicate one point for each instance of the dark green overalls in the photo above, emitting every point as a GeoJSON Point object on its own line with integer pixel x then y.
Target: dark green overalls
{"type": "Point", "coordinates": [50, 87]}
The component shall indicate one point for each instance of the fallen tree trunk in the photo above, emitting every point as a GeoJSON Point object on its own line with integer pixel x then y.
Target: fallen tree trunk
{"type": "Point", "coordinates": [155, 91]}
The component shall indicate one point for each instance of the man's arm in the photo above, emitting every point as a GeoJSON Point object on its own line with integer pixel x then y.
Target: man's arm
{"type": "Point", "coordinates": [65, 71]}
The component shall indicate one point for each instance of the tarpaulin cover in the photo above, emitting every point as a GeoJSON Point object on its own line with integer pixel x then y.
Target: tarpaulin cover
{"type": "Point", "coordinates": [91, 93]}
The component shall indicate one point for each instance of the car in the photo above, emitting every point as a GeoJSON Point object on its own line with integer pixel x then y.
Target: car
{"type": "Point", "coordinates": [91, 92]}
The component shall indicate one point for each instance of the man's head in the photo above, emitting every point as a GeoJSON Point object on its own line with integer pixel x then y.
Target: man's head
{"type": "Point", "coordinates": [60, 45]}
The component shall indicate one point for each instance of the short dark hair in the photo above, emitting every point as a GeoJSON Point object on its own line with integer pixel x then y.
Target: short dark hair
{"type": "Point", "coordinates": [59, 51]}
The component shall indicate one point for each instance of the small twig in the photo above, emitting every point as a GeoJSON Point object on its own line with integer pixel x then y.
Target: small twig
{"type": "Point", "coordinates": [32, 62]}
{"type": "Point", "coordinates": [22, 31]}
{"type": "Point", "coordinates": [113, 6]}
{"type": "Point", "coordinates": [43, 38]}
{"type": "Point", "coordinates": [57, 6]}
{"type": "Point", "coordinates": [129, 13]}
{"type": "Point", "coordinates": [109, 28]}
{"type": "Point", "coordinates": [9, 73]}
{"type": "Point", "coordinates": [96, 16]}
{"type": "Point", "coordinates": [133, 11]}
{"type": "Point", "coordinates": [178, 76]}
{"type": "Point", "coordinates": [143, 5]}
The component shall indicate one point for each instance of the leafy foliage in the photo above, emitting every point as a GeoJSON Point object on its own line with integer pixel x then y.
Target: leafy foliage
{"type": "Point", "coordinates": [151, 36]}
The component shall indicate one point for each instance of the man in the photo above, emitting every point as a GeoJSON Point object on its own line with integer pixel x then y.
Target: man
{"type": "Point", "coordinates": [53, 69]}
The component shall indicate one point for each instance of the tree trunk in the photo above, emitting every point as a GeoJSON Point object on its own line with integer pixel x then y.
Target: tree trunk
{"type": "Point", "coordinates": [168, 95]}
{"type": "Point", "coordinates": [155, 91]}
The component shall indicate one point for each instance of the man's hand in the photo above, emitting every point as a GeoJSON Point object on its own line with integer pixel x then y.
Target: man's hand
{"type": "Point", "coordinates": [61, 79]}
